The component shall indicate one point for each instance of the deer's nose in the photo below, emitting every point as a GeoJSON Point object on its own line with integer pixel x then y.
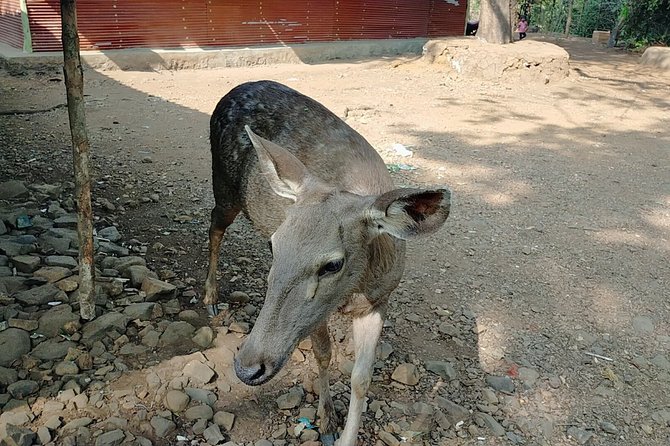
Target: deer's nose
{"type": "Point", "coordinates": [253, 374]}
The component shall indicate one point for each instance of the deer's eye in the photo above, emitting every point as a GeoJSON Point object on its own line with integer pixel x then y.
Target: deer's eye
{"type": "Point", "coordinates": [331, 267]}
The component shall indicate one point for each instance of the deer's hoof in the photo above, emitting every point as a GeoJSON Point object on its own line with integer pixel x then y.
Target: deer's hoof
{"type": "Point", "coordinates": [212, 310]}
{"type": "Point", "coordinates": [329, 439]}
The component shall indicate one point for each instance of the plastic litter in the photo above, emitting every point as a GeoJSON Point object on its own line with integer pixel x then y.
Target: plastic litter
{"type": "Point", "coordinates": [23, 221]}
{"type": "Point", "coordinates": [402, 150]}
{"type": "Point", "coordinates": [395, 167]}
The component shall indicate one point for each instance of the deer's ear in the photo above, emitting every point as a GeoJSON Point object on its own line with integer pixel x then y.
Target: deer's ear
{"type": "Point", "coordinates": [406, 213]}
{"type": "Point", "coordinates": [285, 173]}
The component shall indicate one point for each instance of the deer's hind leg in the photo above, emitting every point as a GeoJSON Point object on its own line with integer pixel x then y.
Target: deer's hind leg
{"type": "Point", "coordinates": [222, 217]}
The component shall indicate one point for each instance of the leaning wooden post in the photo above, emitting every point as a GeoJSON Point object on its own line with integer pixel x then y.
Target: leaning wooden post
{"type": "Point", "coordinates": [74, 85]}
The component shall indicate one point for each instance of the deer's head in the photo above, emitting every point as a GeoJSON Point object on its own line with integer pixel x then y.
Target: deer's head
{"type": "Point", "coordinates": [321, 252]}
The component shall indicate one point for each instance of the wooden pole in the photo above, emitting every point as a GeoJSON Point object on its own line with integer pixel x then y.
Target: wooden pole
{"type": "Point", "coordinates": [74, 86]}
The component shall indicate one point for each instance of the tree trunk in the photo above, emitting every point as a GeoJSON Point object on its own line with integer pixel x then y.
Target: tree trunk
{"type": "Point", "coordinates": [74, 86]}
{"type": "Point", "coordinates": [568, 22]}
{"type": "Point", "coordinates": [494, 21]}
{"type": "Point", "coordinates": [614, 34]}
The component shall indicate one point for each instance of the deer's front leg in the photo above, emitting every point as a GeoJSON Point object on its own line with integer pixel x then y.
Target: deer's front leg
{"type": "Point", "coordinates": [321, 347]}
{"type": "Point", "coordinates": [366, 335]}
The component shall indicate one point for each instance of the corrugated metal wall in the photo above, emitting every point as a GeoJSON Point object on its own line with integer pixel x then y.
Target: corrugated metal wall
{"type": "Point", "coordinates": [112, 24]}
{"type": "Point", "coordinates": [11, 29]}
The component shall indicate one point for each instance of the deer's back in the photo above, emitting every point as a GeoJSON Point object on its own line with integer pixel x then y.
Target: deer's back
{"type": "Point", "coordinates": [329, 148]}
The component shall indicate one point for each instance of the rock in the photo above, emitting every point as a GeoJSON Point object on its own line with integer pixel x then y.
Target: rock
{"type": "Point", "coordinates": [449, 329]}
{"type": "Point", "coordinates": [489, 396]}
{"type": "Point", "coordinates": [21, 389]}
{"type": "Point", "coordinates": [26, 264]}
{"type": "Point", "coordinates": [110, 233]}
{"type": "Point", "coordinates": [97, 328]}
{"type": "Point", "coordinates": [177, 401]}
{"type": "Point", "coordinates": [14, 343]}
{"type": "Point", "coordinates": [18, 436]}
{"type": "Point", "coordinates": [68, 285]}
{"type": "Point", "coordinates": [213, 434]}
{"type": "Point", "coordinates": [113, 249]}
{"type": "Point", "coordinates": [66, 368]}
{"type": "Point", "coordinates": [62, 261]}
{"type": "Point", "coordinates": [7, 376]}
{"type": "Point", "coordinates": [52, 349]}
{"type": "Point", "coordinates": [661, 361]}
{"type": "Point", "coordinates": [225, 420]}
{"type": "Point", "coordinates": [66, 221]}
{"type": "Point", "coordinates": [406, 373]}
{"type": "Point", "coordinates": [388, 438]}
{"type": "Point", "coordinates": [176, 332]}
{"type": "Point", "coordinates": [262, 442]}
{"type": "Point", "coordinates": [238, 297]}
{"type": "Point", "coordinates": [442, 368]}
{"type": "Point", "coordinates": [143, 311]}
{"type": "Point", "coordinates": [203, 412]}
{"type": "Point", "coordinates": [643, 325]}
{"type": "Point", "coordinates": [198, 372]}
{"type": "Point", "coordinates": [454, 412]}
{"type": "Point", "coordinates": [156, 289]}
{"type": "Point", "coordinates": [189, 315]}
{"type": "Point", "coordinates": [137, 274]}
{"type": "Point", "coordinates": [123, 264]}
{"type": "Point", "coordinates": [292, 399]}
{"type": "Point", "coordinates": [53, 322]}
{"type": "Point", "coordinates": [111, 438]}
{"type": "Point", "coordinates": [201, 395]}
{"type": "Point", "coordinates": [502, 384]}
{"type": "Point", "coordinates": [199, 426]}
{"type": "Point", "coordinates": [528, 376]}
{"type": "Point", "coordinates": [486, 420]}
{"type": "Point", "coordinates": [13, 189]}
{"type": "Point", "coordinates": [162, 427]}
{"type": "Point", "coordinates": [580, 435]}
{"type": "Point", "coordinates": [171, 307]}
{"type": "Point", "coordinates": [239, 327]}
{"type": "Point", "coordinates": [309, 435]}
{"type": "Point", "coordinates": [133, 350]}
{"type": "Point", "coordinates": [662, 417]}
{"type": "Point", "coordinates": [23, 324]}
{"type": "Point", "coordinates": [608, 427]}
{"type": "Point", "coordinates": [204, 337]}
{"type": "Point", "coordinates": [13, 249]}
{"type": "Point", "coordinates": [41, 295]}
{"type": "Point", "coordinates": [50, 190]}
{"type": "Point", "coordinates": [44, 435]}
{"type": "Point", "coordinates": [53, 274]}
{"type": "Point", "coordinates": [384, 350]}
{"type": "Point", "coordinates": [3, 228]}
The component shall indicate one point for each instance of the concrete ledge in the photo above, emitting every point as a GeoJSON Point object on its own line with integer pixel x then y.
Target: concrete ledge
{"type": "Point", "coordinates": [656, 56]}
{"type": "Point", "coordinates": [148, 59]}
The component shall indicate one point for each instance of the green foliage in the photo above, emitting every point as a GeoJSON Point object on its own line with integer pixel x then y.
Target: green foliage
{"type": "Point", "coordinates": [641, 22]}
{"type": "Point", "coordinates": [646, 22]}
{"type": "Point", "coordinates": [592, 15]}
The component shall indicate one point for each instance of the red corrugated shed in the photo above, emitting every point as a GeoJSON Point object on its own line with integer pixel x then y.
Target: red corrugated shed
{"type": "Point", "coordinates": [11, 29]}
{"type": "Point", "coordinates": [112, 24]}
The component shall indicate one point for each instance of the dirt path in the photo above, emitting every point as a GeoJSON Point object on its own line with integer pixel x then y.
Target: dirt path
{"type": "Point", "coordinates": [554, 268]}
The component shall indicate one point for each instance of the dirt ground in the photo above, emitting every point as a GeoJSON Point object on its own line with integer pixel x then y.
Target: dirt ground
{"type": "Point", "coordinates": [557, 248]}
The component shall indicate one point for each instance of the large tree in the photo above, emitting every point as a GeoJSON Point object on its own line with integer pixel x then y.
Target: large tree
{"type": "Point", "coordinates": [495, 21]}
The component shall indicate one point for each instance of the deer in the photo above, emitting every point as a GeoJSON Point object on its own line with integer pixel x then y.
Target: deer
{"type": "Point", "coordinates": [336, 225]}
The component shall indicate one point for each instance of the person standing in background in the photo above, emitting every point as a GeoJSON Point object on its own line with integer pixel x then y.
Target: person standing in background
{"type": "Point", "coordinates": [522, 28]}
